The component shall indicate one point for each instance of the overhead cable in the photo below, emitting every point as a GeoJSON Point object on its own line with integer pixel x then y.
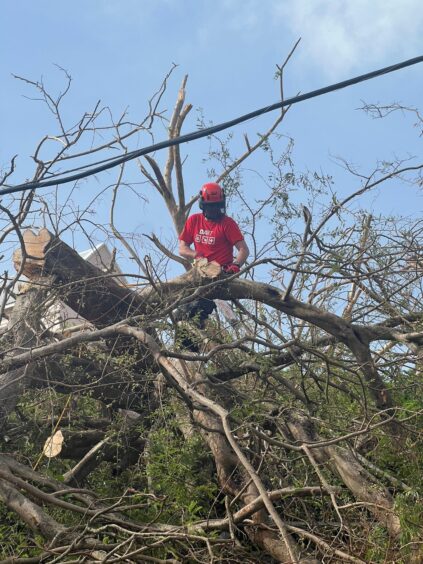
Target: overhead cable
{"type": "Point", "coordinates": [96, 168]}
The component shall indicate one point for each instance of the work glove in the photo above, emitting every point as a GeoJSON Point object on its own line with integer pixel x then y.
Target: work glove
{"type": "Point", "coordinates": [231, 268]}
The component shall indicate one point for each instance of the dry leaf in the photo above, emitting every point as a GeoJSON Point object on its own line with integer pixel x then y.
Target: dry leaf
{"type": "Point", "coordinates": [53, 445]}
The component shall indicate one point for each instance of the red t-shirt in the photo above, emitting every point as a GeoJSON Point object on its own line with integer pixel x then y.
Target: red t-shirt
{"type": "Point", "coordinates": [213, 239]}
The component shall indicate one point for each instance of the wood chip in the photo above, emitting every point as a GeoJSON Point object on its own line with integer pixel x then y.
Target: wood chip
{"type": "Point", "coordinates": [207, 269]}
{"type": "Point", "coordinates": [53, 445]}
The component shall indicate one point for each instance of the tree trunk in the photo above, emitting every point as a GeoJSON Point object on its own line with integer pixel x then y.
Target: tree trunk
{"type": "Point", "coordinates": [22, 334]}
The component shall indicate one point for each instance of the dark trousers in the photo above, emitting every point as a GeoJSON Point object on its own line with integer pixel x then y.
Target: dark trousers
{"type": "Point", "coordinates": [198, 310]}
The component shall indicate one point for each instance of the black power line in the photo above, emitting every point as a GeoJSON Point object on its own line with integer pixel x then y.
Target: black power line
{"type": "Point", "coordinates": [96, 167]}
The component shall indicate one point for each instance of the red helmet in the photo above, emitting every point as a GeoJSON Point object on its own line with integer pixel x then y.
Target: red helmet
{"type": "Point", "coordinates": [212, 192]}
{"type": "Point", "coordinates": [212, 201]}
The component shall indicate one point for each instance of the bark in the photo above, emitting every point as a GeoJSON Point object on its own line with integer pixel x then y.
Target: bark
{"type": "Point", "coordinates": [23, 332]}
{"type": "Point", "coordinates": [228, 455]}
{"type": "Point", "coordinates": [122, 449]}
{"type": "Point", "coordinates": [236, 482]}
{"type": "Point", "coordinates": [30, 513]}
{"type": "Point", "coordinates": [77, 443]}
{"type": "Point", "coordinates": [93, 294]}
{"type": "Point", "coordinates": [342, 462]}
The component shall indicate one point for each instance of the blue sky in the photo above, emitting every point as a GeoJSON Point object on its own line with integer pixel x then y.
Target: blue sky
{"type": "Point", "coordinates": [119, 51]}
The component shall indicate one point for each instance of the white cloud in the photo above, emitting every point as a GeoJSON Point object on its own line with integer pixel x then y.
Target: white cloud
{"type": "Point", "coordinates": [339, 36]}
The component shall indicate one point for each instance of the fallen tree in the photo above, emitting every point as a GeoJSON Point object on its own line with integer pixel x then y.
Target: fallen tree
{"type": "Point", "coordinates": [292, 435]}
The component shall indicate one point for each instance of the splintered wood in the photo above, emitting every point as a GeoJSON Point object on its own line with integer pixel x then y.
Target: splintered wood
{"type": "Point", "coordinates": [34, 256]}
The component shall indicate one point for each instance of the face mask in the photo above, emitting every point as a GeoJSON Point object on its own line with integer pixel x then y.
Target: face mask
{"type": "Point", "coordinates": [213, 214]}
{"type": "Point", "coordinates": [213, 210]}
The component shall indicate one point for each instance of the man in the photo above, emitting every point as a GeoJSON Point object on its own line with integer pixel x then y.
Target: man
{"type": "Point", "coordinates": [213, 233]}
{"type": "Point", "coordinates": [214, 236]}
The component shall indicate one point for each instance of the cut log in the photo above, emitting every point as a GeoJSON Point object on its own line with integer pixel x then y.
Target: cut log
{"type": "Point", "coordinates": [91, 293]}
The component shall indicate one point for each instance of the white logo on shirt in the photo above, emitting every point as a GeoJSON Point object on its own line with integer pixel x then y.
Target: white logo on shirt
{"type": "Point", "coordinates": [204, 237]}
